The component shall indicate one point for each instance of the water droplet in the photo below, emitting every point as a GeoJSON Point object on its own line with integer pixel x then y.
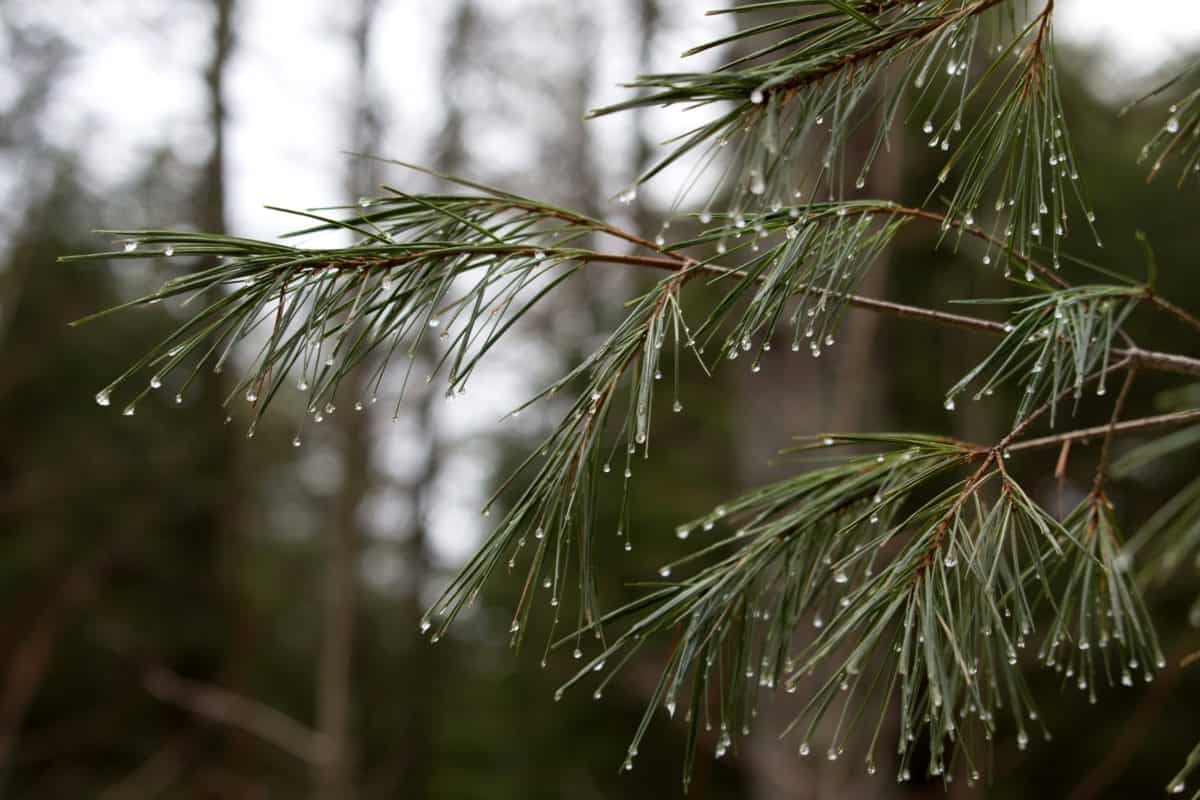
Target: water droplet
{"type": "Point", "coordinates": [756, 96]}
{"type": "Point", "coordinates": [628, 196]}
{"type": "Point", "coordinates": [128, 412]}
{"type": "Point", "coordinates": [1177, 787]}
{"type": "Point", "coordinates": [130, 246]}
{"type": "Point", "coordinates": [677, 407]}
{"type": "Point", "coordinates": [841, 577]}
{"type": "Point", "coordinates": [102, 398]}
{"type": "Point", "coordinates": [805, 749]}
{"type": "Point", "coordinates": [169, 250]}
{"type": "Point", "coordinates": [434, 322]}
{"type": "Point", "coordinates": [251, 395]}
{"type": "Point", "coordinates": [1172, 125]}
{"type": "Point", "coordinates": [705, 217]}
{"type": "Point", "coordinates": [665, 572]}
{"type": "Point", "coordinates": [949, 404]}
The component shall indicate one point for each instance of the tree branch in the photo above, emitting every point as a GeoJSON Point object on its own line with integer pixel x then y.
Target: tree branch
{"type": "Point", "coordinates": [220, 705]}
{"type": "Point", "coordinates": [1118, 407]}
{"type": "Point", "coordinates": [1174, 310]}
{"type": "Point", "coordinates": [1145, 359]}
{"type": "Point", "coordinates": [1129, 426]}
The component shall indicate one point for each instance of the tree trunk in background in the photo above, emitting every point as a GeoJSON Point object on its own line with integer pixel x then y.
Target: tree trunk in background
{"type": "Point", "coordinates": [649, 22]}
{"type": "Point", "coordinates": [211, 211]}
{"type": "Point", "coordinates": [795, 394]}
{"type": "Point", "coordinates": [334, 777]}
{"type": "Point", "coordinates": [225, 503]}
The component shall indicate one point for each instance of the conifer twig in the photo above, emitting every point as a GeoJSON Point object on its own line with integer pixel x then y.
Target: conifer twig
{"type": "Point", "coordinates": [1171, 420]}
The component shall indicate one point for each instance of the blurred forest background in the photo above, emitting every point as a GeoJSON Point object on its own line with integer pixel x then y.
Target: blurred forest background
{"type": "Point", "coordinates": [186, 612]}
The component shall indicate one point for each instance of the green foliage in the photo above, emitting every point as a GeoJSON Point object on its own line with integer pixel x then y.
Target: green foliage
{"type": "Point", "coordinates": [835, 67]}
{"type": "Point", "coordinates": [1178, 784]}
{"type": "Point", "coordinates": [322, 311]}
{"type": "Point", "coordinates": [1053, 342]}
{"type": "Point", "coordinates": [1179, 137]}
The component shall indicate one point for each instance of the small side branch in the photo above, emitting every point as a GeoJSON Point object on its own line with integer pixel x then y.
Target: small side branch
{"type": "Point", "coordinates": [1175, 311]}
{"type": "Point", "coordinates": [1174, 419]}
{"type": "Point", "coordinates": [1106, 448]}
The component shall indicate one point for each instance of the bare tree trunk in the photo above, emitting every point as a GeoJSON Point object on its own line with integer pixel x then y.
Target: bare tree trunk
{"type": "Point", "coordinates": [225, 504]}
{"type": "Point", "coordinates": [334, 775]}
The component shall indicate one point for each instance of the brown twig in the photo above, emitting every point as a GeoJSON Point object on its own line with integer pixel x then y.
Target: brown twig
{"type": "Point", "coordinates": [1106, 447]}
{"type": "Point", "coordinates": [676, 262]}
{"type": "Point", "coordinates": [1129, 426]}
{"type": "Point", "coordinates": [220, 705]}
{"type": "Point", "coordinates": [1172, 309]}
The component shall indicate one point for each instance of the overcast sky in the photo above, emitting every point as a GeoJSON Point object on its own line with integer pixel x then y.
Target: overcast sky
{"type": "Point", "coordinates": [130, 89]}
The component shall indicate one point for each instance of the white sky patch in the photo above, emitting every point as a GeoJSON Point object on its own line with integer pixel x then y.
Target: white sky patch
{"type": "Point", "coordinates": [1136, 40]}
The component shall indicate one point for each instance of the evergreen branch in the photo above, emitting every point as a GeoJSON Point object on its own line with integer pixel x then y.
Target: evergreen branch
{"type": "Point", "coordinates": [947, 639]}
{"type": "Point", "coordinates": [414, 249]}
{"type": "Point", "coordinates": [1099, 606]}
{"type": "Point", "coordinates": [833, 66]}
{"type": "Point", "coordinates": [1054, 341]}
{"type": "Point", "coordinates": [1179, 136]}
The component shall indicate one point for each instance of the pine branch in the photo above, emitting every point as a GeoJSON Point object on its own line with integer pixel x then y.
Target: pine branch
{"type": "Point", "coordinates": [1178, 137]}
{"type": "Point", "coordinates": [942, 634]}
{"type": "Point", "coordinates": [832, 67]}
